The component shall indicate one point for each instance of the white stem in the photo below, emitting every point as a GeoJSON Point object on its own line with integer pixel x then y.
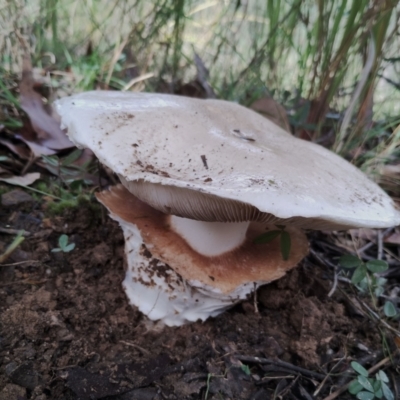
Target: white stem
{"type": "Point", "coordinates": [210, 238]}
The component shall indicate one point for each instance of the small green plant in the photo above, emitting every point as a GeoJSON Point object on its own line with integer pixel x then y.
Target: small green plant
{"type": "Point", "coordinates": [366, 388]}
{"type": "Point", "coordinates": [63, 245]}
{"type": "Point", "coordinates": [285, 240]}
{"type": "Point", "coordinates": [365, 277]}
{"type": "Point", "coordinates": [65, 168]}
{"type": "Point", "coordinates": [245, 368]}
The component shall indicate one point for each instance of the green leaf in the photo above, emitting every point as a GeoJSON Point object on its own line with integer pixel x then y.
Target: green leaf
{"type": "Point", "coordinates": [245, 369]}
{"type": "Point", "coordinates": [63, 241]}
{"type": "Point", "coordinates": [267, 237]}
{"type": "Point", "coordinates": [382, 376]}
{"type": "Point", "coordinates": [376, 384]}
{"type": "Point", "coordinates": [366, 383]}
{"type": "Point", "coordinates": [378, 393]}
{"type": "Point", "coordinates": [381, 281]}
{"type": "Point", "coordinates": [76, 185]}
{"type": "Point", "coordinates": [390, 311]}
{"type": "Point", "coordinates": [349, 261]}
{"type": "Point", "coordinates": [51, 160]}
{"type": "Point", "coordinates": [69, 248]}
{"type": "Point", "coordinates": [377, 266]}
{"type": "Point", "coordinates": [359, 368]}
{"type": "Point", "coordinates": [365, 396]}
{"type": "Point", "coordinates": [354, 387]}
{"type": "Point", "coordinates": [286, 244]}
{"type": "Point", "coordinates": [359, 274]}
{"type": "Point", "coordinates": [379, 291]}
{"type": "Point", "coordinates": [387, 392]}
{"type": "Point", "coordinates": [72, 157]}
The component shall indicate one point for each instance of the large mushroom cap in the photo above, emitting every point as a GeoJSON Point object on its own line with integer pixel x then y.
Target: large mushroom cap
{"type": "Point", "coordinates": [229, 163]}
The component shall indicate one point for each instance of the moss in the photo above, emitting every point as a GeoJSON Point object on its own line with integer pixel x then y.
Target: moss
{"type": "Point", "coordinates": [61, 207]}
{"type": "Point", "coordinates": [72, 204]}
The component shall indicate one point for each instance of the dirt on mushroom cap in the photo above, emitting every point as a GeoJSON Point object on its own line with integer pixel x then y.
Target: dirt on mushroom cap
{"type": "Point", "coordinates": [222, 149]}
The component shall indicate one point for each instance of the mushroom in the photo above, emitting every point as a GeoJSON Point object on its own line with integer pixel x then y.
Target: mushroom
{"type": "Point", "coordinates": [170, 280]}
{"type": "Point", "coordinates": [204, 178]}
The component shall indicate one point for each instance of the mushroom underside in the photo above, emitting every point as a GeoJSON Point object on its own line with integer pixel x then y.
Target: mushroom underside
{"type": "Point", "coordinates": [170, 281]}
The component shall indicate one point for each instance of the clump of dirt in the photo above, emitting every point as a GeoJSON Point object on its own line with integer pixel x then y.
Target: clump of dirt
{"type": "Point", "coordinates": [67, 331]}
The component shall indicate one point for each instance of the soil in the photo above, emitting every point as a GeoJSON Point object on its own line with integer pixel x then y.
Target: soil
{"type": "Point", "coordinates": [67, 331]}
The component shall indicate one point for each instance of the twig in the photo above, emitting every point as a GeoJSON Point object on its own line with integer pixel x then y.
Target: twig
{"type": "Point", "coordinates": [321, 385]}
{"type": "Point", "coordinates": [137, 80]}
{"type": "Point", "coordinates": [136, 346]}
{"type": "Point", "coordinates": [370, 371]}
{"type": "Point", "coordinates": [10, 231]}
{"type": "Point", "coordinates": [19, 263]}
{"type": "Point", "coordinates": [283, 364]}
{"type": "Point", "coordinates": [379, 319]}
{"type": "Point", "coordinates": [255, 299]}
{"type": "Point", "coordinates": [335, 282]}
{"type": "Point", "coordinates": [379, 238]}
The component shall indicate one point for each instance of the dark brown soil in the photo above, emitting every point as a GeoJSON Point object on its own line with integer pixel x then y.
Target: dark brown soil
{"type": "Point", "coordinates": [68, 332]}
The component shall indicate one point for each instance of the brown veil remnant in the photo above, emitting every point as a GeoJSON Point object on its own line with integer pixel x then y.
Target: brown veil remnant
{"type": "Point", "coordinates": [169, 280]}
{"type": "Point", "coordinates": [206, 176]}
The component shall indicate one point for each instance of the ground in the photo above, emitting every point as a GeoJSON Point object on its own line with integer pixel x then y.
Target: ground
{"type": "Point", "coordinates": [68, 332]}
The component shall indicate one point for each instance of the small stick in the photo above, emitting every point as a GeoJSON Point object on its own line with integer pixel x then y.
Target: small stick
{"type": "Point", "coordinates": [10, 231]}
{"type": "Point", "coordinates": [379, 239]}
{"type": "Point", "coordinates": [335, 282]}
{"type": "Point", "coordinates": [279, 363]}
{"type": "Point", "coordinates": [136, 346]}
{"type": "Point", "coordinates": [255, 299]}
{"type": "Point", "coordinates": [379, 319]}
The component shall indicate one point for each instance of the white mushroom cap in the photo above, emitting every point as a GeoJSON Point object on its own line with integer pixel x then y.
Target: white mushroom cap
{"type": "Point", "coordinates": [228, 162]}
{"type": "Point", "coordinates": [170, 281]}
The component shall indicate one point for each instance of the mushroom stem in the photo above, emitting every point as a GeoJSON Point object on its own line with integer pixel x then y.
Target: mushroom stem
{"type": "Point", "coordinates": [210, 238]}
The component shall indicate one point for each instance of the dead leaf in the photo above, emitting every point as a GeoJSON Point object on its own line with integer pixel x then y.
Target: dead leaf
{"type": "Point", "coordinates": [391, 170]}
{"type": "Point", "coordinates": [19, 150]}
{"type": "Point", "coordinates": [272, 110]}
{"type": "Point", "coordinates": [202, 76]}
{"type": "Point", "coordinates": [47, 128]}
{"type": "Point", "coordinates": [394, 238]}
{"type": "Point", "coordinates": [36, 148]}
{"type": "Point", "coordinates": [25, 180]}
{"type": "Point", "coordinates": [364, 233]}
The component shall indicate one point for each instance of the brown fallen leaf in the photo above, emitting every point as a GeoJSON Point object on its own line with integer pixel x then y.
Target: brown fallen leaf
{"type": "Point", "coordinates": [272, 110]}
{"type": "Point", "coordinates": [19, 149]}
{"type": "Point", "coordinates": [394, 238]}
{"type": "Point", "coordinates": [47, 128]}
{"type": "Point", "coordinates": [36, 148]}
{"type": "Point", "coordinates": [25, 180]}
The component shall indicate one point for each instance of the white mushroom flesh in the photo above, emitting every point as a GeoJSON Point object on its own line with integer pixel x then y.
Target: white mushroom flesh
{"type": "Point", "coordinates": [162, 294]}
{"type": "Point", "coordinates": [210, 238]}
